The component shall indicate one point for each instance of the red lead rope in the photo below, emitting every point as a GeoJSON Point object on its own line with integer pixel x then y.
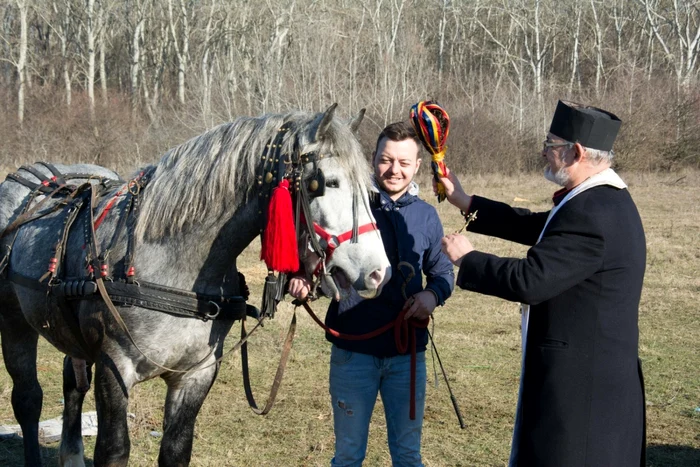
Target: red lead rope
{"type": "Point", "coordinates": [404, 335]}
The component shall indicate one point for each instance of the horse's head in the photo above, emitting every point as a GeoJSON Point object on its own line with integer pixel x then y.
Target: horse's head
{"type": "Point", "coordinates": [229, 173]}
{"type": "Point", "coordinates": [339, 242]}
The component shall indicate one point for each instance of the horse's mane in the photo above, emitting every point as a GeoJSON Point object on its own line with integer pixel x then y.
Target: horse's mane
{"type": "Point", "coordinates": [211, 175]}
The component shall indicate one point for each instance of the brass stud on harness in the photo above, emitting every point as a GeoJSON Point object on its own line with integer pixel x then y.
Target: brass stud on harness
{"type": "Point", "coordinates": [268, 177]}
{"type": "Point", "coordinates": [134, 187]}
{"type": "Point", "coordinates": [313, 186]}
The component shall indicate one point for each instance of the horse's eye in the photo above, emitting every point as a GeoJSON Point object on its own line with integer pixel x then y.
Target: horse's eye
{"type": "Point", "coordinates": [332, 183]}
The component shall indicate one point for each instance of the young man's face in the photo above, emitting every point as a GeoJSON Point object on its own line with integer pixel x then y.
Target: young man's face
{"type": "Point", "coordinates": [395, 165]}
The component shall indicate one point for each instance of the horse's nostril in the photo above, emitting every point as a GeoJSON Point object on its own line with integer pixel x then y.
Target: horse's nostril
{"type": "Point", "coordinates": [375, 277]}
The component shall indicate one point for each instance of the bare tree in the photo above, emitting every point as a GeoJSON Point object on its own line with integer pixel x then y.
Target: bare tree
{"type": "Point", "coordinates": [680, 25]}
{"type": "Point", "coordinates": [537, 40]}
{"type": "Point", "coordinates": [598, 48]}
{"type": "Point", "coordinates": [510, 57]}
{"type": "Point", "coordinates": [386, 30]}
{"type": "Point", "coordinates": [102, 39]}
{"type": "Point", "coordinates": [575, 74]}
{"type": "Point", "coordinates": [61, 23]}
{"type": "Point", "coordinates": [157, 44]}
{"type": "Point", "coordinates": [23, 7]}
{"type": "Point", "coordinates": [136, 37]}
{"type": "Point", "coordinates": [90, 33]}
{"type": "Point", "coordinates": [207, 71]}
{"type": "Point", "coordinates": [180, 29]}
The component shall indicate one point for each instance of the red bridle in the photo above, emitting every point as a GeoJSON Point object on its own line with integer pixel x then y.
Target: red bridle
{"type": "Point", "coordinates": [334, 241]}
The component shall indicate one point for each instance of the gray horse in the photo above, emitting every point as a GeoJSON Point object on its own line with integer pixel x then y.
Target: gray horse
{"type": "Point", "coordinates": [188, 218]}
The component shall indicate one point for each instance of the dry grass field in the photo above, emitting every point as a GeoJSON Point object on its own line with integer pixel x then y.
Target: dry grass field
{"type": "Point", "coordinates": [479, 342]}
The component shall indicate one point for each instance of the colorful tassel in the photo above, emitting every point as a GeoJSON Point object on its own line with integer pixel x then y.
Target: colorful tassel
{"type": "Point", "coordinates": [279, 243]}
{"type": "Point", "coordinates": [432, 124]}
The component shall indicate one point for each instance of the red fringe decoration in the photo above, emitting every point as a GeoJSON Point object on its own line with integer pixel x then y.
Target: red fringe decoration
{"type": "Point", "coordinates": [279, 243]}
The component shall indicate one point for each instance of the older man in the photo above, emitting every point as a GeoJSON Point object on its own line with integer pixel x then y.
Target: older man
{"type": "Point", "coordinates": [581, 399]}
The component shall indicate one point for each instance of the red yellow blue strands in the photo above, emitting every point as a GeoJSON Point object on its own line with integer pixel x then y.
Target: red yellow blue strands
{"type": "Point", "coordinates": [432, 124]}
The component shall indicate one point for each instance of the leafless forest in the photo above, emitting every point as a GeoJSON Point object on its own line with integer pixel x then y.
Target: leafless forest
{"type": "Point", "coordinates": [117, 82]}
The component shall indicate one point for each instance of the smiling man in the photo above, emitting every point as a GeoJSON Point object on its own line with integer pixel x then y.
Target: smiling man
{"type": "Point", "coordinates": [581, 398]}
{"type": "Point", "coordinates": [361, 369]}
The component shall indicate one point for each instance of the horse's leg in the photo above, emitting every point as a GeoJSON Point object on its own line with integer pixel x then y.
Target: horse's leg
{"type": "Point", "coordinates": [111, 399]}
{"type": "Point", "coordinates": [19, 348]}
{"type": "Point", "coordinates": [71, 452]}
{"type": "Point", "coordinates": [186, 393]}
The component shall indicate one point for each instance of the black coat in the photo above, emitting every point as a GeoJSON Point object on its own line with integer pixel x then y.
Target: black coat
{"type": "Point", "coordinates": [582, 398]}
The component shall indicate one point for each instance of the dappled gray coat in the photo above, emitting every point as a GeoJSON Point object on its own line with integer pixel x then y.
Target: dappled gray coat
{"type": "Point", "coordinates": [582, 401]}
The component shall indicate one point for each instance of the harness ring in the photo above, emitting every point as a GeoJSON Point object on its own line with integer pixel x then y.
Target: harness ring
{"type": "Point", "coordinates": [212, 315]}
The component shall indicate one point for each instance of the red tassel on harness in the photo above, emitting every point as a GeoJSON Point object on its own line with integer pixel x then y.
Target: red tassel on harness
{"type": "Point", "coordinates": [279, 243]}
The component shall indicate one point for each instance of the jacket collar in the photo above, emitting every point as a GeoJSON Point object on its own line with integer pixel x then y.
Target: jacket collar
{"type": "Point", "coordinates": [407, 198]}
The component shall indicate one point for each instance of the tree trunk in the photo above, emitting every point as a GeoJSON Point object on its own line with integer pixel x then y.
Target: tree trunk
{"type": "Point", "coordinates": [181, 50]}
{"type": "Point", "coordinates": [206, 70]}
{"type": "Point", "coordinates": [102, 39]}
{"type": "Point", "coordinates": [598, 49]}
{"type": "Point", "coordinates": [574, 54]}
{"type": "Point", "coordinates": [90, 32]}
{"type": "Point", "coordinates": [135, 62]}
{"type": "Point", "coordinates": [22, 62]}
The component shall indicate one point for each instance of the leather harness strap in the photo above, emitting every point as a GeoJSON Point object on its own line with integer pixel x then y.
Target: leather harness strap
{"type": "Point", "coordinates": [57, 175]}
{"type": "Point", "coordinates": [279, 374]}
{"type": "Point", "coordinates": [108, 301]}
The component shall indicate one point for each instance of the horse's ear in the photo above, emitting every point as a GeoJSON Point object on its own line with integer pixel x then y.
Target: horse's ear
{"type": "Point", "coordinates": [325, 122]}
{"type": "Point", "coordinates": [355, 123]}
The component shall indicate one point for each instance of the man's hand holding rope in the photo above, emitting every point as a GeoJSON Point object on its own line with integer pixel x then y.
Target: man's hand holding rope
{"type": "Point", "coordinates": [420, 305]}
{"type": "Point", "coordinates": [299, 287]}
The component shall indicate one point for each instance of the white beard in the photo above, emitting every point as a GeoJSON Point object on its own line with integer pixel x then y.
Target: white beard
{"type": "Point", "coordinates": [561, 177]}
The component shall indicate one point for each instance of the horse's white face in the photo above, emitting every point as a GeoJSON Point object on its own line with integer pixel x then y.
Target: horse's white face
{"type": "Point", "coordinates": [363, 265]}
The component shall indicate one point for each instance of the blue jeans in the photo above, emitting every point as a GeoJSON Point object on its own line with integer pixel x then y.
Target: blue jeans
{"type": "Point", "coordinates": [355, 381]}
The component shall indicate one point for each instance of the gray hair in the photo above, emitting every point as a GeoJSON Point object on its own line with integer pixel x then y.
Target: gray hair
{"type": "Point", "coordinates": [596, 156]}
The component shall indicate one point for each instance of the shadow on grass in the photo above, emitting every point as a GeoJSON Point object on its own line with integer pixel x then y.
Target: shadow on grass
{"type": "Point", "coordinates": [12, 453]}
{"type": "Point", "coordinates": [666, 455]}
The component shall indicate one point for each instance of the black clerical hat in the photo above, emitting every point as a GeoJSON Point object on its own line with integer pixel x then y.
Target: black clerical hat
{"type": "Point", "coordinates": [591, 127]}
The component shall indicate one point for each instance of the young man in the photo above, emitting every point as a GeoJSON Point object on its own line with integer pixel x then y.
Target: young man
{"type": "Point", "coordinates": [581, 400]}
{"type": "Point", "coordinates": [411, 232]}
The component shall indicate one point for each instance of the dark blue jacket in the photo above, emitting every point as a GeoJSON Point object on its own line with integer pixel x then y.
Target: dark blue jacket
{"type": "Point", "coordinates": [411, 231]}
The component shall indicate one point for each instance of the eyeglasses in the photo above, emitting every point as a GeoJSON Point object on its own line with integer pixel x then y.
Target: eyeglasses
{"type": "Point", "coordinates": [546, 144]}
